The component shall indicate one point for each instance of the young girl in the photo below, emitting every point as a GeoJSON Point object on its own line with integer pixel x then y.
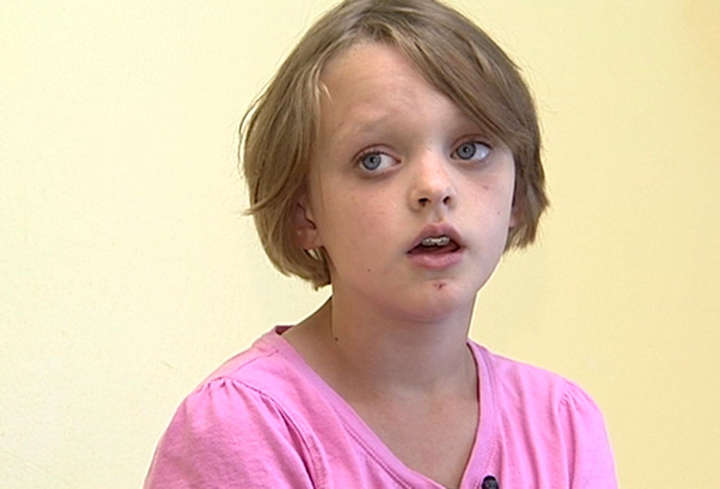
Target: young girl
{"type": "Point", "coordinates": [395, 157]}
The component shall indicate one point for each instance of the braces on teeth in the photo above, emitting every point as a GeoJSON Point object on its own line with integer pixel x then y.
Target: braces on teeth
{"type": "Point", "coordinates": [439, 241]}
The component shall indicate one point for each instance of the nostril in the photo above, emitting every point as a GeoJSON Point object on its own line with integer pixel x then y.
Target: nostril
{"type": "Point", "coordinates": [446, 200]}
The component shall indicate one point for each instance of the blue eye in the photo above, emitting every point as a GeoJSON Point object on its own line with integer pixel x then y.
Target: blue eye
{"type": "Point", "coordinates": [370, 162]}
{"type": "Point", "coordinates": [473, 150]}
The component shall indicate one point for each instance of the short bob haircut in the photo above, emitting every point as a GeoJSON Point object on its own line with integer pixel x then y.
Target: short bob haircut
{"type": "Point", "coordinates": [278, 131]}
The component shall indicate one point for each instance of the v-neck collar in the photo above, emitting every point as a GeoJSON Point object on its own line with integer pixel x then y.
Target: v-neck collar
{"type": "Point", "coordinates": [485, 435]}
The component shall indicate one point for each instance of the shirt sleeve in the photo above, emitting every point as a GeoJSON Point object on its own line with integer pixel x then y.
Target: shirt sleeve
{"type": "Point", "coordinates": [226, 435]}
{"type": "Point", "coordinates": [592, 465]}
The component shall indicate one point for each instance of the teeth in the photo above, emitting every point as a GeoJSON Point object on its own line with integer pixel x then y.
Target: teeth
{"type": "Point", "coordinates": [439, 241]}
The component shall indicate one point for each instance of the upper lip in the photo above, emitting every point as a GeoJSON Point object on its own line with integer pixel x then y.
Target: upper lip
{"type": "Point", "coordinates": [434, 230]}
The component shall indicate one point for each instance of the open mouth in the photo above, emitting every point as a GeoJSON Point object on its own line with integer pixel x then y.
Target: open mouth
{"type": "Point", "coordinates": [435, 245]}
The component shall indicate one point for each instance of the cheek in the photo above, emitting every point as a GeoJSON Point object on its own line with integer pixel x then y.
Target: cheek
{"type": "Point", "coordinates": [357, 224]}
{"type": "Point", "coordinates": [499, 192]}
{"type": "Point", "coordinates": [369, 223]}
{"type": "Point", "coordinates": [490, 206]}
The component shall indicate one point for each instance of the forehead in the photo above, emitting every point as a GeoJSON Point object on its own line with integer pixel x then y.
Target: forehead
{"type": "Point", "coordinates": [370, 84]}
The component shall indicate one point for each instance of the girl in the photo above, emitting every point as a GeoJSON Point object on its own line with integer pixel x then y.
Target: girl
{"type": "Point", "coordinates": [394, 157]}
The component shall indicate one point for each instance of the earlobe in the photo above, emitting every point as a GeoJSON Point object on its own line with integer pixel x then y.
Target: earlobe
{"type": "Point", "coordinates": [306, 231]}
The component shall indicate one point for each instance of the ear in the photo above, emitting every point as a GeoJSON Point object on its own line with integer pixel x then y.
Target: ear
{"type": "Point", "coordinates": [514, 215]}
{"type": "Point", "coordinates": [516, 209]}
{"type": "Point", "coordinates": [306, 232]}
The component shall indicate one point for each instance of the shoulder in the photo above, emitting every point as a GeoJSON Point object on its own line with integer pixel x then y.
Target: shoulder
{"type": "Point", "coordinates": [551, 417]}
{"type": "Point", "coordinates": [520, 383]}
{"type": "Point", "coordinates": [234, 428]}
{"type": "Point", "coordinates": [249, 391]}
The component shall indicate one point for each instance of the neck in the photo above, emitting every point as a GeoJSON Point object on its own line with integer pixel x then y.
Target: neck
{"type": "Point", "coordinates": [388, 356]}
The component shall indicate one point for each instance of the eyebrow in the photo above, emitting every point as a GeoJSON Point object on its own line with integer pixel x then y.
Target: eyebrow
{"type": "Point", "coordinates": [365, 125]}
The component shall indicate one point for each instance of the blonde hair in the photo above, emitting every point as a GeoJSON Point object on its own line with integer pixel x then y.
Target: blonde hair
{"type": "Point", "coordinates": [279, 129]}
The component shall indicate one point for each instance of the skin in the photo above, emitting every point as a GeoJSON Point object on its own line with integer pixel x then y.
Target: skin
{"type": "Point", "coordinates": [392, 339]}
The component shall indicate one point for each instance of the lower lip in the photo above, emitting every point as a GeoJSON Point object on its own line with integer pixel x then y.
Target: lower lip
{"type": "Point", "coordinates": [436, 261]}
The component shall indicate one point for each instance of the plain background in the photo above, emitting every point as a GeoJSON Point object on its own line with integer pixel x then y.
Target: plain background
{"type": "Point", "coordinates": [128, 273]}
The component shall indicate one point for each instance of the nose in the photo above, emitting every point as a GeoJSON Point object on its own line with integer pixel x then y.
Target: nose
{"type": "Point", "coordinates": [432, 185]}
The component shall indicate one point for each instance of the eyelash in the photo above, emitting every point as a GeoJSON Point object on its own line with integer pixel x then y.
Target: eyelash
{"type": "Point", "coordinates": [361, 157]}
{"type": "Point", "coordinates": [474, 142]}
{"type": "Point", "coordinates": [370, 152]}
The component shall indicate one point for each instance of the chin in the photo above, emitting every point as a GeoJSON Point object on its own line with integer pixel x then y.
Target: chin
{"type": "Point", "coordinates": [439, 299]}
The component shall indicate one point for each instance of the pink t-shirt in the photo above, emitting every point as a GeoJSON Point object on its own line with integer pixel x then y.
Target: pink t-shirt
{"type": "Point", "coordinates": [265, 419]}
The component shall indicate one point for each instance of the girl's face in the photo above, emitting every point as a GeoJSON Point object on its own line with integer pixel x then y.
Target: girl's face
{"type": "Point", "coordinates": [396, 162]}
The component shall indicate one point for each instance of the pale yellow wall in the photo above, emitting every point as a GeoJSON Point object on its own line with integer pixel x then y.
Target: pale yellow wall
{"type": "Point", "coordinates": [127, 272]}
